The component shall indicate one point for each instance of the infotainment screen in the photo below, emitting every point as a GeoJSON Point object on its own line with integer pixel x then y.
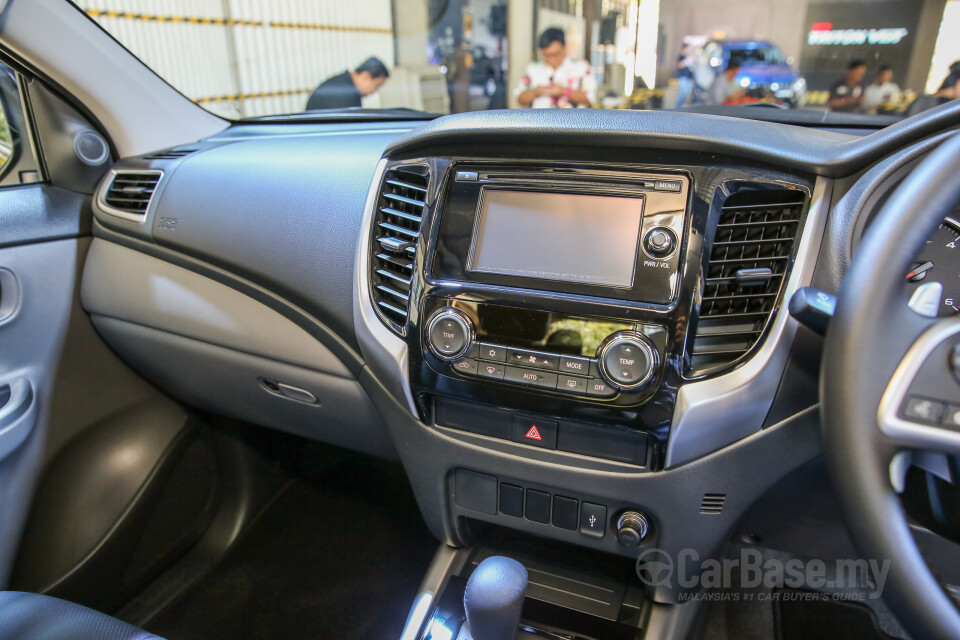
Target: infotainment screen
{"type": "Point", "coordinates": [568, 237]}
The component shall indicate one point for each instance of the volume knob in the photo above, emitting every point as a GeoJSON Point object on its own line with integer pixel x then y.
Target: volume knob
{"type": "Point", "coordinates": [449, 333]}
{"type": "Point", "coordinates": [628, 360]}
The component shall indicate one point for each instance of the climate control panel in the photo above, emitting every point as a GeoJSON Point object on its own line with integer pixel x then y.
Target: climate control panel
{"type": "Point", "coordinates": [587, 357]}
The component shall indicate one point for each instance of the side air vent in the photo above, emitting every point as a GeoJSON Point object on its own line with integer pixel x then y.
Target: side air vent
{"type": "Point", "coordinates": [170, 154]}
{"type": "Point", "coordinates": [400, 208]}
{"type": "Point", "coordinates": [129, 193]}
{"type": "Point", "coordinates": [712, 503]}
{"type": "Point", "coordinates": [749, 262]}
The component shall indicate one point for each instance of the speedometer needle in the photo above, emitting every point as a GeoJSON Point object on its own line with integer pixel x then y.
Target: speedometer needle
{"type": "Point", "coordinates": [919, 271]}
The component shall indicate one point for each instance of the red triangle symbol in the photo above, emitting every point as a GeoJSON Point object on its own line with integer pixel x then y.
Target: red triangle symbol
{"type": "Point", "coordinates": [533, 434]}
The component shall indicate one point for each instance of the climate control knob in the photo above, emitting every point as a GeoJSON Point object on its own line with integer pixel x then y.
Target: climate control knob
{"type": "Point", "coordinates": [449, 333]}
{"type": "Point", "coordinates": [628, 360]}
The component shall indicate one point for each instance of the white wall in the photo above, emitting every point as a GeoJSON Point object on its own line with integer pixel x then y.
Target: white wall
{"type": "Point", "coordinates": [204, 61]}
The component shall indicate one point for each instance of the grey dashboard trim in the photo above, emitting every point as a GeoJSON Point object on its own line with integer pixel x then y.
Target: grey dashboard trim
{"type": "Point", "coordinates": [717, 412]}
{"type": "Point", "coordinates": [128, 285]}
{"type": "Point", "coordinates": [383, 351]}
{"type": "Point", "coordinates": [795, 148]}
{"type": "Point", "coordinates": [288, 309]}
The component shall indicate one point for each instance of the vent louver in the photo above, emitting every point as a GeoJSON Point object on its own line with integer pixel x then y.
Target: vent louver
{"type": "Point", "coordinates": [712, 503]}
{"type": "Point", "coordinates": [400, 208]}
{"type": "Point", "coordinates": [130, 192]}
{"type": "Point", "coordinates": [170, 154]}
{"type": "Point", "coordinates": [749, 261]}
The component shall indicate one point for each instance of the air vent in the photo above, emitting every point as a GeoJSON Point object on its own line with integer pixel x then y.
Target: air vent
{"type": "Point", "coordinates": [170, 154]}
{"type": "Point", "coordinates": [712, 503]}
{"type": "Point", "coordinates": [399, 212]}
{"type": "Point", "coordinates": [130, 192]}
{"type": "Point", "coordinates": [750, 258]}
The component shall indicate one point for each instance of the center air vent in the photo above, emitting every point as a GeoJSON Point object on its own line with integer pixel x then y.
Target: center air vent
{"type": "Point", "coordinates": [129, 193]}
{"type": "Point", "coordinates": [749, 264]}
{"type": "Point", "coordinates": [399, 213]}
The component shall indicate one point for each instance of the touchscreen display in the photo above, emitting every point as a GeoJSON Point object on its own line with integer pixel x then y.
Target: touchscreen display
{"type": "Point", "coordinates": [568, 237]}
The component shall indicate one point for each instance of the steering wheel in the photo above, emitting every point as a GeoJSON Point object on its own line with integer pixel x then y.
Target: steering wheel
{"type": "Point", "coordinates": [888, 380]}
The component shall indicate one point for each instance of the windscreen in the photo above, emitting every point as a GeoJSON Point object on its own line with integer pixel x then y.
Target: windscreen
{"type": "Point", "coordinates": [591, 239]}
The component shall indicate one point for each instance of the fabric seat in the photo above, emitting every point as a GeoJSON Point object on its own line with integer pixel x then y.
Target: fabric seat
{"type": "Point", "coordinates": [30, 616]}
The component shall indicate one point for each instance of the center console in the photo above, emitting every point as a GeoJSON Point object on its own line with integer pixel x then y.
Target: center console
{"type": "Point", "coordinates": [565, 335]}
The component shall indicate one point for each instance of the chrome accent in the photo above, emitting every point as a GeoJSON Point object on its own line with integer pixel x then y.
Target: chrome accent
{"type": "Point", "coordinates": [120, 213]}
{"type": "Point", "coordinates": [904, 431]}
{"type": "Point", "coordinates": [383, 351]}
{"type": "Point", "coordinates": [634, 338]}
{"type": "Point", "coordinates": [714, 413]}
{"type": "Point", "coordinates": [460, 318]}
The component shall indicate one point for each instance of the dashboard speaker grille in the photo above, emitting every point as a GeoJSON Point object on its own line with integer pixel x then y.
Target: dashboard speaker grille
{"type": "Point", "coordinates": [749, 262]}
{"type": "Point", "coordinates": [400, 206]}
{"type": "Point", "coordinates": [131, 191]}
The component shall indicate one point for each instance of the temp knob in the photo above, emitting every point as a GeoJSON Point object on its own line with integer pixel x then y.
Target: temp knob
{"type": "Point", "coordinates": [632, 528]}
{"type": "Point", "coordinates": [628, 360]}
{"type": "Point", "coordinates": [449, 333]}
{"type": "Point", "coordinates": [660, 242]}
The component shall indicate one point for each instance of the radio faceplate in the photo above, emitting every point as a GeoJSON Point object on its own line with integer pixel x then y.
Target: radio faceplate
{"type": "Point", "coordinates": [512, 226]}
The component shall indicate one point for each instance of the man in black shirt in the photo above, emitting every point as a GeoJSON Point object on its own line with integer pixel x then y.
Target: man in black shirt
{"type": "Point", "coordinates": [846, 95]}
{"type": "Point", "coordinates": [347, 88]}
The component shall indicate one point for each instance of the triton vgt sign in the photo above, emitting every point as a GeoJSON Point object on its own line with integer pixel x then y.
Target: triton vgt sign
{"type": "Point", "coordinates": [836, 33]}
{"type": "Point", "coordinates": [823, 33]}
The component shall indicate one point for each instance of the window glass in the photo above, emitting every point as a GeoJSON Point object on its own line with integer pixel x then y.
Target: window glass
{"type": "Point", "coordinates": [248, 58]}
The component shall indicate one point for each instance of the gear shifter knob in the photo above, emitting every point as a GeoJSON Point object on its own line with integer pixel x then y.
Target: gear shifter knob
{"type": "Point", "coordinates": [494, 598]}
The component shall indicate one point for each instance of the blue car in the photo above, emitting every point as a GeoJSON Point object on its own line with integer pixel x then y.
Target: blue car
{"type": "Point", "coordinates": [763, 69]}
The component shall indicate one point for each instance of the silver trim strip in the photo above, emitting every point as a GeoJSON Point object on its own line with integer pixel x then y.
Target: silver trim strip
{"type": "Point", "coordinates": [715, 413]}
{"type": "Point", "coordinates": [120, 213]}
{"type": "Point", "coordinates": [383, 351]}
{"type": "Point", "coordinates": [912, 433]}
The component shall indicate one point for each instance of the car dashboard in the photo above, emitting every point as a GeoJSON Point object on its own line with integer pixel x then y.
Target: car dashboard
{"type": "Point", "coordinates": [568, 324]}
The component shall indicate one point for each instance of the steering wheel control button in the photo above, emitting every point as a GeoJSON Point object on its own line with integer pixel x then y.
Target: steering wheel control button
{"type": "Point", "coordinates": [492, 352]}
{"type": "Point", "coordinates": [539, 433]}
{"type": "Point", "coordinates": [534, 359]}
{"type": "Point", "coordinates": [579, 366]}
{"type": "Point", "coordinates": [572, 384]}
{"type": "Point", "coordinates": [538, 506]}
{"type": "Point", "coordinates": [593, 519]}
{"type": "Point", "coordinates": [450, 334]}
{"type": "Point", "coordinates": [926, 299]}
{"type": "Point", "coordinates": [466, 366]}
{"type": "Point", "coordinates": [660, 242]}
{"type": "Point", "coordinates": [632, 528]}
{"type": "Point", "coordinates": [491, 370]}
{"type": "Point", "coordinates": [924, 410]}
{"type": "Point", "coordinates": [532, 378]}
{"type": "Point", "coordinates": [565, 513]}
{"type": "Point", "coordinates": [600, 389]}
{"type": "Point", "coordinates": [627, 360]}
{"type": "Point", "coordinates": [951, 416]}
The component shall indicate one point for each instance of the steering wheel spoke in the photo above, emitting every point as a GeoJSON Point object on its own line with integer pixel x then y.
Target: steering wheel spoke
{"type": "Point", "coordinates": [920, 408]}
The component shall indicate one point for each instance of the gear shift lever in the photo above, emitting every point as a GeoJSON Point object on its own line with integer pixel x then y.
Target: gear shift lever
{"type": "Point", "coordinates": [494, 598]}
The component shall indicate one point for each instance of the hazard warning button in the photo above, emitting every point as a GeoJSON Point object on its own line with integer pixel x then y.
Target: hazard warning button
{"type": "Point", "coordinates": [539, 433]}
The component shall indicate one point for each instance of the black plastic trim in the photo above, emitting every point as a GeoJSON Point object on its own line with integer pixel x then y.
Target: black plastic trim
{"type": "Point", "coordinates": [797, 148]}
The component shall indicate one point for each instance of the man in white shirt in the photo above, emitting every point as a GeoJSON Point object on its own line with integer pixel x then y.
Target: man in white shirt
{"type": "Point", "coordinates": [557, 81]}
{"type": "Point", "coordinates": [883, 90]}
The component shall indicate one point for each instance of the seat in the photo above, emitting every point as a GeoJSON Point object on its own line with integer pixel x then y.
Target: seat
{"type": "Point", "coordinates": [30, 616]}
